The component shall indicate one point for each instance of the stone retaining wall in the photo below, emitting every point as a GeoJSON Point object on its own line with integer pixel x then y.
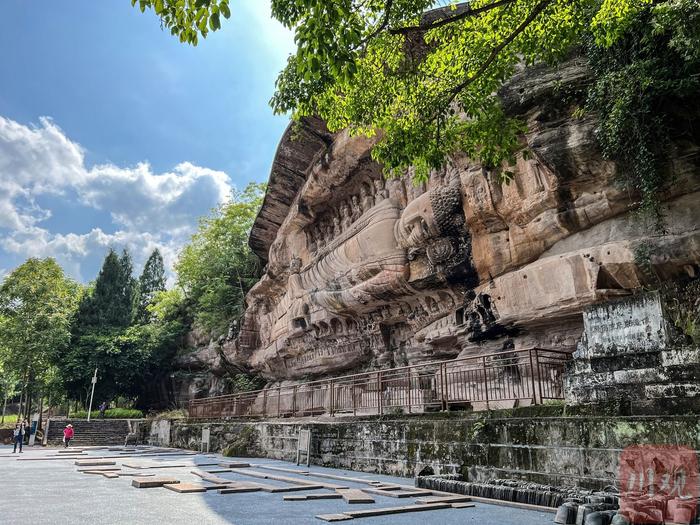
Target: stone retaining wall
{"type": "Point", "coordinates": [557, 449]}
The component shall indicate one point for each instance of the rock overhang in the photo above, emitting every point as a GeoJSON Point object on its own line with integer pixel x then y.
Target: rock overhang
{"type": "Point", "coordinates": [300, 144]}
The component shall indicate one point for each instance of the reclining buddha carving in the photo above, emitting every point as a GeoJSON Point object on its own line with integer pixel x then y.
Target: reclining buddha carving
{"type": "Point", "coordinates": [364, 272]}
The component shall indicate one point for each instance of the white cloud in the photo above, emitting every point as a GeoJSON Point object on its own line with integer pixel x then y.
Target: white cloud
{"type": "Point", "coordinates": [72, 250]}
{"type": "Point", "coordinates": [139, 198]}
{"type": "Point", "coordinates": [39, 158]}
{"type": "Point", "coordinates": [148, 209]}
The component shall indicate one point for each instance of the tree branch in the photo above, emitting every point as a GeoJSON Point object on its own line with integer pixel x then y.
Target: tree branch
{"type": "Point", "coordinates": [382, 26]}
{"type": "Point", "coordinates": [467, 12]}
{"type": "Point", "coordinates": [496, 50]}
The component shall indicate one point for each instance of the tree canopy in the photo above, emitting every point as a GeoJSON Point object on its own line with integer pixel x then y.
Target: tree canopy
{"type": "Point", "coordinates": [425, 80]}
{"type": "Point", "coordinates": [112, 332]}
{"type": "Point", "coordinates": [37, 303]}
{"type": "Point", "coordinates": [55, 332]}
{"type": "Point", "coordinates": [110, 302]}
{"type": "Point", "coordinates": [151, 281]}
{"type": "Point", "coordinates": [217, 268]}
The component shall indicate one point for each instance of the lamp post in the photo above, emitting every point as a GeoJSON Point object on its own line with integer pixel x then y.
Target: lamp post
{"type": "Point", "coordinates": [94, 381]}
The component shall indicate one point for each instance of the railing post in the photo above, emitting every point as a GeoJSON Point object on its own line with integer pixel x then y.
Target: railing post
{"type": "Point", "coordinates": [354, 407]}
{"type": "Point", "coordinates": [264, 410]}
{"type": "Point", "coordinates": [486, 382]}
{"type": "Point", "coordinates": [539, 375]}
{"type": "Point", "coordinates": [331, 397]}
{"type": "Point", "coordinates": [443, 394]}
{"type": "Point", "coordinates": [532, 374]}
{"type": "Point", "coordinates": [408, 382]}
{"type": "Point", "coordinates": [380, 397]}
{"type": "Point", "coordinates": [294, 401]}
{"type": "Point", "coordinates": [279, 400]}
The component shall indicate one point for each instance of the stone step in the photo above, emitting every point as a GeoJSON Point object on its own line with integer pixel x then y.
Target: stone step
{"type": "Point", "coordinates": [96, 432]}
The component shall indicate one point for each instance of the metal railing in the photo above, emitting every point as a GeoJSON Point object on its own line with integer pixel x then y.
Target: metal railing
{"type": "Point", "coordinates": [482, 382]}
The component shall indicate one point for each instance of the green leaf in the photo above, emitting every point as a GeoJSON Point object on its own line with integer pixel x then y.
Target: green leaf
{"type": "Point", "coordinates": [214, 23]}
{"type": "Point", "coordinates": [223, 7]}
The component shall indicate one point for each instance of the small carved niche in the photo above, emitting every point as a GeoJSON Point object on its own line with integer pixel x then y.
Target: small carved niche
{"type": "Point", "coordinates": [459, 316]}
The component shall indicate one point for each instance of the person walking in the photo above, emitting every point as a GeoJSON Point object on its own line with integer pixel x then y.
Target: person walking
{"type": "Point", "coordinates": [67, 434]}
{"type": "Point", "coordinates": [103, 407]}
{"type": "Point", "coordinates": [18, 434]}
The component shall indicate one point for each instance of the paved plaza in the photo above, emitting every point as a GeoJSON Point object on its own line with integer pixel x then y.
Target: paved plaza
{"type": "Point", "coordinates": [52, 490]}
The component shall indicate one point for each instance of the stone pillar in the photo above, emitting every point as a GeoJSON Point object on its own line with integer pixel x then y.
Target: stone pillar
{"type": "Point", "coordinates": [630, 355]}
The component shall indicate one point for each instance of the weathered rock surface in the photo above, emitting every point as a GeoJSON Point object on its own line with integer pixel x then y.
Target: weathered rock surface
{"type": "Point", "coordinates": [364, 272]}
{"type": "Point", "coordinates": [199, 369]}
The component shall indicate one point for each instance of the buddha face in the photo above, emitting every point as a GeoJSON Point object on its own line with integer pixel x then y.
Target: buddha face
{"type": "Point", "coordinates": [417, 223]}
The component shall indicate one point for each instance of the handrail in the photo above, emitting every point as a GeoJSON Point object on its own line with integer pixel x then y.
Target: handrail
{"type": "Point", "coordinates": [364, 374]}
{"type": "Point", "coordinates": [533, 374]}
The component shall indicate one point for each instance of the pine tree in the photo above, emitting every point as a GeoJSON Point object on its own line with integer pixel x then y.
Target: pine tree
{"type": "Point", "coordinates": [111, 302]}
{"type": "Point", "coordinates": [129, 290]}
{"type": "Point", "coordinates": [151, 281]}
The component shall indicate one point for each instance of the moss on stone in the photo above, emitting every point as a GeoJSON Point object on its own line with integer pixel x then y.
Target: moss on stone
{"type": "Point", "coordinates": [244, 445]}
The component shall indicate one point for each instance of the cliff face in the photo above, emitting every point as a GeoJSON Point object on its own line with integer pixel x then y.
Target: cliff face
{"type": "Point", "coordinates": [365, 272]}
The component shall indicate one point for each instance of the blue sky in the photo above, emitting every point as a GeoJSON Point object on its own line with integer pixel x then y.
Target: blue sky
{"type": "Point", "coordinates": [113, 134]}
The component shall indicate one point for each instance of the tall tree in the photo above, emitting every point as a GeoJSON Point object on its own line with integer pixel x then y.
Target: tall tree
{"type": "Point", "coordinates": [217, 268]}
{"type": "Point", "coordinates": [111, 300]}
{"type": "Point", "coordinates": [105, 312]}
{"type": "Point", "coordinates": [37, 303]}
{"type": "Point", "coordinates": [151, 281]}
{"type": "Point", "coordinates": [128, 287]}
{"type": "Point", "coordinates": [427, 78]}
{"type": "Point", "coordinates": [8, 376]}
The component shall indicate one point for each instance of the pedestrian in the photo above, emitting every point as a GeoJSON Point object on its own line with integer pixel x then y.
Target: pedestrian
{"type": "Point", "coordinates": [18, 434]}
{"type": "Point", "coordinates": [68, 434]}
{"type": "Point", "coordinates": [103, 407]}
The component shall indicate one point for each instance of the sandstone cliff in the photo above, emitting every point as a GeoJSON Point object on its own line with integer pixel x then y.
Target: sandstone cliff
{"type": "Point", "coordinates": [364, 272]}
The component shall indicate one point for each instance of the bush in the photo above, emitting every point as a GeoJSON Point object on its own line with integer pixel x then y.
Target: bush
{"type": "Point", "coordinates": [170, 414]}
{"type": "Point", "coordinates": [112, 413]}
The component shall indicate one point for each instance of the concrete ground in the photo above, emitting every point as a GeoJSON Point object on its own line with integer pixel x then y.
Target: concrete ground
{"type": "Point", "coordinates": [53, 492]}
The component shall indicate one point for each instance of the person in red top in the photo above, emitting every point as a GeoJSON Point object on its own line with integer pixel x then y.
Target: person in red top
{"type": "Point", "coordinates": [67, 434]}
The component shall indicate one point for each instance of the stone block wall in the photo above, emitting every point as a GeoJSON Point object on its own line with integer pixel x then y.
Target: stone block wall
{"type": "Point", "coordinates": [542, 445]}
{"type": "Point", "coordinates": [634, 351]}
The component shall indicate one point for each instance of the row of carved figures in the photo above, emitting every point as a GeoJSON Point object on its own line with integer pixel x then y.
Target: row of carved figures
{"type": "Point", "coordinates": [424, 307]}
{"type": "Point", "coordinates": [335, 222]}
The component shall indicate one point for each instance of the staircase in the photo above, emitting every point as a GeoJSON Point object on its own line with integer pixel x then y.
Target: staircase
{"type": "Point", "coordinates": [97, 432]}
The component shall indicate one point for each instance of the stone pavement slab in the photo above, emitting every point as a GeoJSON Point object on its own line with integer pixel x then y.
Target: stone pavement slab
{"type": "Point", "coordinates": [94, 462]}
{"type": "Point", "coordinates": [185, 488]}
{"type": "Point", "coordinates": [355, 496]}
{"type": "Point", "coordinates": [146, 482]}
{"type": "Point", "coordinates": [309, 497]}
{"type": "Point", "coordinates": [89, 500]}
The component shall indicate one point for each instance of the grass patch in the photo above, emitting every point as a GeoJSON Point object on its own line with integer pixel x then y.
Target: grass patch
{"type": "Point", "coordinates": [170, 414]}
{"type": "Point", "coordinates": [112, 413]}
{"type": "Point", "coordinates": [10, 421]}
